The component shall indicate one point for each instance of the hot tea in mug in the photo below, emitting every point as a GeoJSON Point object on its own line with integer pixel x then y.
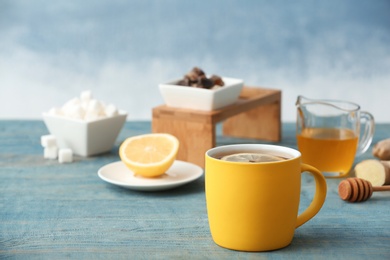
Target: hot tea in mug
{"type": "Point", "coordinates": [253, 195]}
{"type": "Point", "coordinates": [249, 156]}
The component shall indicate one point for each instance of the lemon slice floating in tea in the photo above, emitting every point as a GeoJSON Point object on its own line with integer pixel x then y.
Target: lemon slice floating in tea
{"type": "Point", "coordinates": [251, 157]}
{"type": "Point", "coordinates": [149, 155]}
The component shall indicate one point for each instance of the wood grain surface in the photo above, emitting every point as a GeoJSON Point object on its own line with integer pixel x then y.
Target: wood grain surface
{"type": "Point", "coordinates": [61, 211]}
{"type": "Point", "coordinates": [258, 107]}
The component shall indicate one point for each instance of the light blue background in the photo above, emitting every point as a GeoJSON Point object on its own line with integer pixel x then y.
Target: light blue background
{"type": "Point", "coordinates": [50, 51]}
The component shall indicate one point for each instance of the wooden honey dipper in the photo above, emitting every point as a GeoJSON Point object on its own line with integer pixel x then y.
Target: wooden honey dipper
{"type": "Point", "coordinates": [357, 190]}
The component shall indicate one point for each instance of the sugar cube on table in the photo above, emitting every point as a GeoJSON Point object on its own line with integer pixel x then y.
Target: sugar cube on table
{"type": "Point", "coordinates": [65, 155]}
{"type": "Point", "coordinates": [48, 141]}
{"type": "Point", "coordinates": [50, 152]}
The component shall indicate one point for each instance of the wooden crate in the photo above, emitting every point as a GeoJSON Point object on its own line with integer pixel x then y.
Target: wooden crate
{"type": "Point", "coordinates": [256, 114]}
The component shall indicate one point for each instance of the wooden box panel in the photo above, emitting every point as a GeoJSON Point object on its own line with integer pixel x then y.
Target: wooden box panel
{"type": "Point", "coordinates": [257, 114]}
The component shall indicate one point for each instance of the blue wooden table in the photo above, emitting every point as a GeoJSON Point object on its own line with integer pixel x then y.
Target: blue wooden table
{"type": "Point", "coordinates": [54, 211]}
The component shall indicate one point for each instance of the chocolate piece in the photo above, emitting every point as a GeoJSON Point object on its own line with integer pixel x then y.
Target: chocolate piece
{"type": "Point", "coordinates": [192, 76]}
{"type": "Point", "coordinates": [206, 83]}
{"type": "Point", "coordinates": [184, 82]}
{"type": "Point", "coordinates": [199, 72]}
{"type": "Point", "coordinates": [197, 78]}
{"type": "Point", "coordinates": [217, 80]}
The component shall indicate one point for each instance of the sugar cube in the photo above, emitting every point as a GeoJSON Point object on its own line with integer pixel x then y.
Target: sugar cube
{"type": "Point", "coordinates": [65, 155]}
{"type": "Point", "coordinates": [76, 111]}
{"type": "Point", "coordinates": [110, 110]}
{"type": "Point", "coordinates": [50, 152]}
{"type": "Point", "coordinates": [48, 141]}
{"type": "Point", "coordinates": [85, 107]}
{"type": "Point", "coordinates": [95, 106]}
{"type": "Point", "coordinates": [55, 111]}
{"type": "Point", "coordinates": [94, 110]}
{"type": "Point", "coordinates": [86, 95]}
{"type": "Point", "coordinates": [91, 116]}
{"type": "Point", "coordinates": [71, 103]}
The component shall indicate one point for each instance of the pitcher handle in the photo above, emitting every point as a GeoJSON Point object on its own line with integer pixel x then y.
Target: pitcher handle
{"type": "Point", "coordinates": [368, 134]}
{"type": "Point", "coordinates": [319, 195]}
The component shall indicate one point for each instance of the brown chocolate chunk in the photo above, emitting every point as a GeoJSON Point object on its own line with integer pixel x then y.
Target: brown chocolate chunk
{"type": "Point", "coordinates": [206, 83]}
{"type": "Point", "coordinates": [184, 82]}
{"type": "Point", "coordinates": [197, 78]}
{"type": "Point", "coordinates": [217, 80]}
{"type": "Point", "coordinates": [199, 72]}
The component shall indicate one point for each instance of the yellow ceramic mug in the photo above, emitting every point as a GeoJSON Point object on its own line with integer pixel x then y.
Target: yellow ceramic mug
{"type": "Point", "coordinates": [254, 206]}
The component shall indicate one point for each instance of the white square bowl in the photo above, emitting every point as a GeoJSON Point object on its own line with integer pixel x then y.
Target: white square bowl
{"type": "Point", "coordinates": [199, 98]}
{"type": "Point", "coordinates": [85, 138]}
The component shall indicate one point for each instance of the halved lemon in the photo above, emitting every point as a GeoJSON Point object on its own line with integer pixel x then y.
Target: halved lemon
{"type": "Point", "coordinates": [149, 155]}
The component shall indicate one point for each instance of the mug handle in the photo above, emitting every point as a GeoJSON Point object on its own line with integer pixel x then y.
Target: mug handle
{"type": "Point", "coordinates": [319, 196]}
{"type": "Point", "coordinates": [369, 127]}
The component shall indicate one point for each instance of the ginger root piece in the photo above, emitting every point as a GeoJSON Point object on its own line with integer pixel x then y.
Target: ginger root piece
{"type": "Point", "coordinates": [375, 171]}
{"type": "Point", "coordinates": [382, 149]}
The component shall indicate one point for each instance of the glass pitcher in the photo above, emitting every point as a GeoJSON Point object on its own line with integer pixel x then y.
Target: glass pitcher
{"type": "Point", "coordinates": [329, 134]}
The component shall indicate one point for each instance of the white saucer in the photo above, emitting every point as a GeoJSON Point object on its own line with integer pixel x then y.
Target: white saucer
{"type": "Point", "coordinates": [179, 174]}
